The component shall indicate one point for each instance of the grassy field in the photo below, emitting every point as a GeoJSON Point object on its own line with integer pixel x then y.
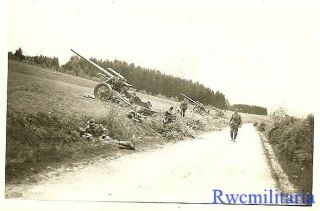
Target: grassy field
{"type": "Point", "coordinates": [45, 107]}
{"type": "Point", "coordinates": [32, 89]}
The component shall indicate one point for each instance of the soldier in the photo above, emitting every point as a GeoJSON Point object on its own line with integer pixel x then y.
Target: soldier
{"type": "Point", "coordinates": [135, 114]}
{"type": "Point", "coordinates": [134, 98]}
{"type": "Point", "coordinates": [169, 116]}
{"type": "Point", "coordinates": [118, 85]}
{"type": "Point", "coordinates": [148, 105]}
{"type": "Point", "coordinates": [235, 122]}
{"type": "Point", "coordinates": [94, 130]}
{"type": "Point", "coordinates": [183, 107]}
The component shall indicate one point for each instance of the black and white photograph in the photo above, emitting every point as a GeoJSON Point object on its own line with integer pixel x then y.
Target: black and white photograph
{"type": "Point", "coordinates": [156, 105]}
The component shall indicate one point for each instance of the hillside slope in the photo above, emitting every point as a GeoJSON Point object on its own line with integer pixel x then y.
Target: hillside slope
{"type": "Point", "coordinates": [45, 107]}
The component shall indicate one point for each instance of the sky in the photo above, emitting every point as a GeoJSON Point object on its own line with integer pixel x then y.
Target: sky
{"type": "Point", "coordinates": [258, 52]}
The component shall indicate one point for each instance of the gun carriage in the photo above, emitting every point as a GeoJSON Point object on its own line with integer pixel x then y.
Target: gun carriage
{"type": "Point", "coordinates": [114, 86]}
{"type": "Point", "coordinates": [198, 107]}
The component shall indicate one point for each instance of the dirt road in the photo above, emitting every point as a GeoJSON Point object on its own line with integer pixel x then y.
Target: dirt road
{"type": "Point", "coordinates": [186, 171]}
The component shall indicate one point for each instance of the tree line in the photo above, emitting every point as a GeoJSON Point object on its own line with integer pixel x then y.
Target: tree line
{"type": "Point", "coordinates": [43, 61]}
{"type": "Point", "coordinates": [250, 109]}
{"type": "Point", "coordinates": [143, 79]}
{"type": "Point", "coordinates": [151, 81]}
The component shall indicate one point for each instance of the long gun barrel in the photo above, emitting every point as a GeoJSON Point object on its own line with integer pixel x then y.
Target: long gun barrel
{"type": "Point", "coordinates": [95, 65]}
{"type": "Point", "coordinates": [200, 103]}
{"type": "Point", "coordinates": [116, 73]}
{"type": "Point", "coordinates": [195, 102]}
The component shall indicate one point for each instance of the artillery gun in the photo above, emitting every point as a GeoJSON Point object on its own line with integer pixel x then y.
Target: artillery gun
{"type": "Point", "coordinates": [198, 107]}
{"type": "Point", "coordinates": [114, 87]}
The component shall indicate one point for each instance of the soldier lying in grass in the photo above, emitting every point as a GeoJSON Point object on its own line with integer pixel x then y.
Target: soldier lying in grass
{"type": "Point", "coordinates": [135, 116]}
{"type": "Point", "coordinates": [95, 131]}
{"type": "Point", "coordinates": [169, 117]}
{"type": "Point", "coordinates": [137, 113]}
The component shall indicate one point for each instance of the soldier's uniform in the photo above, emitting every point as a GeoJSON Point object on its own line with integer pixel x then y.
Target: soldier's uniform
{"type": "Point", "coordinates": [118, 85]}
{"type": "Point", "coordinates": [95, 130]}
{"type": "Point", "coordinates": [235, 123]}
{"type": "Point", "coordinates": [168, 116]}
{"type": "Point", "coordinates": [134, 115]}
{"type": "Point", "coordinates": [183, 107]}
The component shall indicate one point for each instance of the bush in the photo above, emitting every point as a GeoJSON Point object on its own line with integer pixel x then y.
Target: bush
{"type": "Point", "coordinates": [38, 139]}
{"type": "Point", "coordinates": [119, 126]}
{"type": "Point", "coordinates": [262, 127]}
{"type": "Point", "coordinates": [292, 140]}
{"type": "Point", "coordinates": [176, 130]}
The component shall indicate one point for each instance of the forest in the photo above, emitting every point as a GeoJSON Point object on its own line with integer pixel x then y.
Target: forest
{"type": "Point", "coordinates": [250, 109]}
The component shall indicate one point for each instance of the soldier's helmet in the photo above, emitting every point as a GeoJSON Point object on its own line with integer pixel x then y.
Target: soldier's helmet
{"type": "Point", "coordinates": [130, 115]}
{"type": "Point", "coordinates": [91, 121]}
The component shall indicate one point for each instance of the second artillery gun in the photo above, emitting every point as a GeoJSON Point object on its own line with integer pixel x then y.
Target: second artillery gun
{"type": "Point", "coordinates": [115, 86]}
{"type": "Point", "coordinates": [198, 107]}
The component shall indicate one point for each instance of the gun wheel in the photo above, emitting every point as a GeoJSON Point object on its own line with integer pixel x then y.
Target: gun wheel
{"type": "Point", "coordinates": [103, 91]}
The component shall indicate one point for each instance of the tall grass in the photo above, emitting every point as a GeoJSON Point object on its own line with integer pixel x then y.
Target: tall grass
{"type": "Point", "coordinates": [39, 139]}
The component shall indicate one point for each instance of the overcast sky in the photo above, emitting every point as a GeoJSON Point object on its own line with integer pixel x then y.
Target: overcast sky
{"type": "Point", "coordinates": [261, 52]}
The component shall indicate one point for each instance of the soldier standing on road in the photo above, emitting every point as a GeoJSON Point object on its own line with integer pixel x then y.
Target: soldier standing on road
{"type": "Point", "coordinates": [235, 123]}
{"type": "Point", "coordinates": [183, 107]}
